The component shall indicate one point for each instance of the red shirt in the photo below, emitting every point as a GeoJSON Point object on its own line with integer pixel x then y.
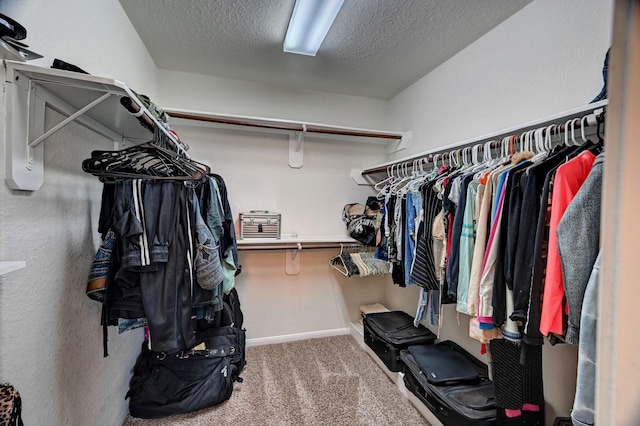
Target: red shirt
{"type": "Point", "coordinates": [569, 178]}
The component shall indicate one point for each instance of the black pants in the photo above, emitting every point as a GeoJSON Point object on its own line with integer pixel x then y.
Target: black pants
{"type": "Point", "coordinates": [154, 221]}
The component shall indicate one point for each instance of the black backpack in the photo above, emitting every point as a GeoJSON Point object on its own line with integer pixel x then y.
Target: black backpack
{"type": "Point", "coordinates": [165, 384]}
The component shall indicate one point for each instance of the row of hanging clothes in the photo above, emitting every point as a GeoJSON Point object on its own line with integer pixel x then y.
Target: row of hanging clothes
{"type": "Point", "coordinates": [511, 240]}
{"type": "Point", "coordinates": [168, 253]}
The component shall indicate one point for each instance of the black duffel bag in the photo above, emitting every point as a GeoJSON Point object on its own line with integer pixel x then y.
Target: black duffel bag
{"type": "Point", "coordinates": [165, 384]}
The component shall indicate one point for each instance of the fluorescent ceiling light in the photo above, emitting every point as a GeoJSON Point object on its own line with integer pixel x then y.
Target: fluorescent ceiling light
{"type": "Point", "coordinates": [309, 24]}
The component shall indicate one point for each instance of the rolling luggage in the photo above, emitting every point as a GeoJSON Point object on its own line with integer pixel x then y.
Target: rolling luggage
{"type": "Point", "coordinates": [387, 333]}
{"type": "Point", "coordinates": [451, 383]}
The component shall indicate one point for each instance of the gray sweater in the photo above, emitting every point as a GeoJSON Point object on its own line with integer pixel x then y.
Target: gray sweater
{"type": "Point", "coordinates": [578, 244]}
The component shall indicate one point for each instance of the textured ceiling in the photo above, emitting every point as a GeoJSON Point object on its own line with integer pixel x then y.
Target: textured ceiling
{"type": "Point", "coordinates": [375, 48]}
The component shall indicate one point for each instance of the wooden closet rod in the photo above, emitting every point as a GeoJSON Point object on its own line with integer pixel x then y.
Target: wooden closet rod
{"type": "Point", "coordinates": [496, 138]}
{"type": "Point", "coordinates": [288, 127]}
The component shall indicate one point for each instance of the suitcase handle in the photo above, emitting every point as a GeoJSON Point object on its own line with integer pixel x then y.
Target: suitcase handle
{"type": "Point", "coordinates": [434, 408]}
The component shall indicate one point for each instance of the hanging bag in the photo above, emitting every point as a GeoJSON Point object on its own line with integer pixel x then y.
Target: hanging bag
{"type": "Point", "coordinates": [164, 384]}
{"type": "Point", "coordinates": [363, 222]}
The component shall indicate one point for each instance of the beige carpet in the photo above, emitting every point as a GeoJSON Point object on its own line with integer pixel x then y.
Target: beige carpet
{"type": "Point", "coordinates": [326, 381]}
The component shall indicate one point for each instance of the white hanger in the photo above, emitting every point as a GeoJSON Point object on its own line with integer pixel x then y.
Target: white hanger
{"type": "Point", "coordinates": [573, 135]}
{"type": "Point", "coordinates": [540, 147]}
{"type": "Point", "coordinates": [486, 152]}
{"type": "Point", "coordinates": [523, 142]}
{"type": "Point", "coordinates": [548, 138]}
{"type": "Point", "coordinates": [537, 141]}
{"type": "Point", "coordinates": [504, 147]}
{"type": "Point", "coordinates": [475, 154]}
{"type": "Point", "coordinates": [341, 262]}
{"type": "Point", "coordinates": [403, 176]}
{"type": "Point", "coordinates": [435, 161]}
{"type": "Point", "coordinates": [583, 123]}
{"type": "Point", "coordinates": [530, 140]}
{"type": "Point", "coordinates": [566, 133]}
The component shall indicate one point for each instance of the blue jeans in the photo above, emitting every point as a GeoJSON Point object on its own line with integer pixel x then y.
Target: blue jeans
{"type": "Point", "coordinates": [414, 206]}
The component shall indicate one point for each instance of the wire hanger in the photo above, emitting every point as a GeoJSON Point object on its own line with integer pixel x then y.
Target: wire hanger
{"type": "Point", "coordinates": [337, 263]}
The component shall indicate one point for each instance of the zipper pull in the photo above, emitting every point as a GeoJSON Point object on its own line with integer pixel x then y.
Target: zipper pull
{"type": "Point", "coordinates": [224, 371]}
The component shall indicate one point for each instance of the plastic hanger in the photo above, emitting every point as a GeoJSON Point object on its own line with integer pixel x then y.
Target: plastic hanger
{"type": "Point", "coordinates": [583, 124]}
{"type": "Point", "coordinates": [406, 186]}
{"type": "Point", "coordinates": [504, 147]}
{"type": "Point", "coordinates": [384, 185]}
{"type": "Point", "coordinates": [540, 144]}
{"type": "Point", "coordinates": [566, 132]}
{"type": "Point", "coordinates": [548, 140]}
{"type": "Point", "coordinates": [475, 155]}
{"type": "Point", "coordinates": [152, 160]}
{"type": "Point", "coordinates": [489, 160]}
{"type": "Point", "coordinates": [573, 134]}
{"type": "Point", "coordinates": [337, 263]}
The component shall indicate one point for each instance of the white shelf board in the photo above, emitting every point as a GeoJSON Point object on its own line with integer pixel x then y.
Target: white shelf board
{"type": "Point", "coordinates": [78, 90]}
{"type": "Point", "coordinates": [10, 266]}
{"type": "Point", "coordinates": [90, 100]}
{"type": "Point", "coordinates": [287, 240]}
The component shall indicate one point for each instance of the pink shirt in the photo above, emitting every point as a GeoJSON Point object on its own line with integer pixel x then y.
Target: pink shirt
{"type": "Point", "coordinates": [569, 178]}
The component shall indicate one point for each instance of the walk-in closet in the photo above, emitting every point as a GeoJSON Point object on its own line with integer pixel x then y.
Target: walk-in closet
{"type": "Point", "coordinates": [216, 125]}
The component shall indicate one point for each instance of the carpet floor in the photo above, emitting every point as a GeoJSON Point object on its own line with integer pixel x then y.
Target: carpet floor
{"type": "Point", "coordinates": [325, 381]}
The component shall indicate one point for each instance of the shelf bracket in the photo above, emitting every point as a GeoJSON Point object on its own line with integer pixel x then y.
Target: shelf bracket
{"type": "Point", "coordinates": [402, 144]}
{"type": "Point", "coordinates": [25, 103]}
{"type": "Point", "coordinates": [296, 148]}
{"type": "Point", "coordinates": [356, 175]}
{"type": "Point", "coordinates": [67, 120]}
{"type": "Point", "coordinates": [292, 260]}
{"type": "Point", "coordinates": [24, 118]}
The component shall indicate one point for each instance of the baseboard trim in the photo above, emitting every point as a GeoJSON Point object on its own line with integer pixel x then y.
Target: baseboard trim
{"type": "Point", "coordinates": [297, 336]}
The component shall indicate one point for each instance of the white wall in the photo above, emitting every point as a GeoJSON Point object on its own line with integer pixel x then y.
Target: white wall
{"type": "Point", "coordinates": [223, 95]}
{"type": "Point", "coordinates": [310, 200]}
{"type": "Point", "coordinates": [50, 335]}
{"type": "Point", "coordinates": [545, 59]}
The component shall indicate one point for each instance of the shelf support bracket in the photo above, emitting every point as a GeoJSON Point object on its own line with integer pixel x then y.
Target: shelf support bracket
{"type": "Point", "coordinates": [25, 103]}
{"type": "Point", "coordinates": [24, 118]}
{"type": "Point", "coordinates": [356, 175]}
{"type": "Point", "coordinates": [402, 144]}
{"type": "Point", "coordinates": [67, 120]}
{"type": "Point", "coordinates": [296, 148]}
{"type": "Point", "coordinates": [292, 260]}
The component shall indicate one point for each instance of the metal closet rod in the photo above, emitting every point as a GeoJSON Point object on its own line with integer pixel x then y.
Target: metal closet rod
{"type": "Point", "coordinates": [448, 151]}
{"type": "Point", "coordinates": [295, 128]}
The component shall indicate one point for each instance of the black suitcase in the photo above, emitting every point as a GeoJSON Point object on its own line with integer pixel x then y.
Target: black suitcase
{"type": "Point", "coordinates": [387, 333]}
{"type": "Point", "coordinates": [451, 383]}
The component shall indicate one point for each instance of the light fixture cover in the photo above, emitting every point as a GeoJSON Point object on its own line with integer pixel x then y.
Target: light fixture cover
{"type": "Point", "coordinates": [309, 24]}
